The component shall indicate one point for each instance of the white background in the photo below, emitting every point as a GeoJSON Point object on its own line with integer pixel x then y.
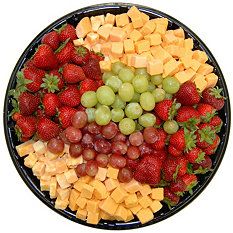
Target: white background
{"type": "Point", "coordinates": [21, 21]}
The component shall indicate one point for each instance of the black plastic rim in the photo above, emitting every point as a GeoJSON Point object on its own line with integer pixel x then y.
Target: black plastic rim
{"type": "Point", "coordinates": [33, 183]}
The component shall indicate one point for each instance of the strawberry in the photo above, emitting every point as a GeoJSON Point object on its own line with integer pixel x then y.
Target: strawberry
{"type": "Point", "coordinates": [148, 170]}
{"type": "Point", "coordinates": [165, 109]}
{"type": "Point", "coordinates": [173, 151]}
{"type": "Point", "coordinates": [178, 187]}
{"type": "Point", "coordinates": [210, 150]}
{"type": "Point", "coordinates": [206, 112]}
{"type": "Point", "coordinates": [47, 129]}
{"type": "Point", "coordinates": [65, 116]}
{"type": "Point", "coordinates": [188, 117]}
{"type": "Point", "coordinates": [170, 198]}
{"type": "Point", "coordinates": [161, 137]}
{"type": "Point", "coordinates": [70, 96]}
{"type": "Point", "coordinates": [213, 97]}
{"type": "Point", "coordinates": [97, 56]}
{"type": "Point", "coordinates": [161, 154]}
{"type": "Point", "coordinates": [73, 73]}
{"type": "Point", "coordinates": [25, 127]}
{"type": "Point", "coordinates": [145, 149]}
{"type": "Point", "coordinates": [51, 103]}
{"type": "Point", "coordinates": [190, 181]}
{"type": "Point", "coordinates": [80, 55]}
{"type": "Point", "coordinates": [92, 69]}
{"type": "Point", "coordinates": [195, 155]}
{"type": "Point", "coordinates": [217, 123]}
{"type": "Point", "coordinates": [158, 122]}
{"type": "Point", "coordinates": [99, 83]}
{"type": "Point", "coordinates": [51, 39]}
{"type": "Point", "coordinates": [16, 116]}
{"type": "Point", "coordinates": [205, 135]}
{"type": "Point", "coordinates": [67, 31]}
{"type": "Point", "coordinates": [44, 58]}
{"type": "Point", "coordinates": [132, 164]}
{"type": "Point", "coordinates": [39, 113]}
{"type": "Point", "coordinates": [28, 103]}
{"type": "Point", "coordinates": [204, 166]}
{"type": "Point", "coordinates": [35, 75]}
{"type": "Point", "coordinates": [188, 94]}
{"type": "Point", "coordinates": [63, 53]}
{"type": "Point", "coordinates": [87, 85]}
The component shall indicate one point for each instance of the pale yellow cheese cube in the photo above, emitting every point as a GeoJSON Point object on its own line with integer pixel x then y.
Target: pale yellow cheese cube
{"type": "Point", "coordinates": [39, 147]}
{"type": "Point", "coordinates": [61, 204]}
{"type": "Point", "coordinates": [155, 206]}
{"type": "Point", "coordinates": [157, 194]}
{"type": "Point", "coordinates": [117, 49]}
{"type": "Point", "coordinates": [61, 166]}
{"type": "Point", "coordinates": [131, 200]}
{"type": "Point", "coordinates": [71, 176]}
{"type": "Point", "coordinates": [145, 201]}
{"type": "Point", "coordinates": [145, 215]}
{"type": "Point", "coordinates": [122, 20]}
{"type": "Point", "coordinates": [110, 18]}
{"type": "Point", "coordinates": [63, 193]}
{"type": "Point", "coordinates": [83, 27]}
{"type": "Point", "coordinates": [200, 56]}
{"type": "Point", "coordinates": [160, 53]}
{"type": "Point", "coordinates": [119, 194]}
{"type": "Point", "coordinates": [101, 174]}
{"type": "Point", "coordinates": [112, 172]}
{"type": "Point", "coordinates": [133, 186]}
{"type": "Point", "coordinates": [195, 64]}
{"type": "Point", "coordinates": [61, 180]}
{"type": "Point", "coordinates": [111, 184]}
{"type": "Point", "coordinates": [117, 34]}
{"type": "Point", "coordinates": [87, 191]}
{"type": "Point", "coordinates": [179, 32]}
{"type": "Point", "coordinates": [93, 217]}
{"type": "Point", "coordinates": [145, 17]}
{"type": "Point", "coordinates": [96, 22]}
{"type": "Point", "coordinates": [211, 79]}
{"type": "Point", "coordinates": [104, 31]}
{"type": "Point", "coordinates": [81, 214]}
{"type": "Point", "coordinates": [44, 185]}
{"type": "Point", "coordinates": [128, 46]}
{"type": "Point", "coordinates": [38, 169]}
{"type": "Point", "coordinates": [148, 28]}
{"type": "Point", "coordinates": [188, 43]}
{"type": "Point", "coordinates": [155, 67]}
{"type": "Point", "coordinates": [78, 42]}
{"type": "Point", "coordinates": [145, 190]}
{"type": "Point", "coordinates": [108, 205]}
{"type": "Point", "coordinates": [50, 168]}
{"type": "Point", "coordinates": [205, 69]}
{"type": "Point", "coordinates": [154, 39]}
{"type": "Point", "coordinates": [105, 66]}
{"type": "Point", "coordinates": [171, 67]}
{"type": "Point", "coordinates": [92, 38]}
{"type": "Point", "coordinates": [30, 160]}
{"type": "Point", "coordinates": [25, 148]}
{"type": "Point", "coordinates": [138, 61]}
{"type": "Point", "coordinates": [50, 156]}
{"type": "Point", "coordinates": [81, 202]}
{"type": "Point", "coordinates": [74, 194]}
{"type": "Point", "coordinates": [200, 82]}
{"type": "Point", "coordinates": [53, 188]}
{"type": "Point", "coordinates": [73, 162]}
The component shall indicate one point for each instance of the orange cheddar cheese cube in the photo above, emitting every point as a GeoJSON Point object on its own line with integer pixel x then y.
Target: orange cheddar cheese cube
{"type": "Point", "coordinates": [155, 66]}
{"type": "Point", "coordinates": [133, 12]}
{"type": "Point", "coordinates": [74, 194]}
{"type": "Point", "coordinates": [129, 58]}
{"type": "Point", "coordinates": [137, 22]}
{"type": "Point", "coordinates": [145, 201]}
{"type": "Point", "coordinates": [78, 42]}
{"type": "Point", "coordinates": [129, 216]}
{"type": "Point", "coordinates": [122, 20]}
{"type": "Point", "coordinates": [106, 216]}
{"type": "Point", "coordinates": [160, 53]}
{"type": "Point", "coordinates": [133, 186]}
{"type": "Point", "coordinates": [200, 56]}
{"type": "Point", "coordinates": [93, 217]}
{"type": "Point", "coordinates": [112, 172]}
{"type": "Point", "coordinates": [117, 34]}
{"type": "Point", "coordinates": [175, 50]}
{"type": "Point", "coordinates": [195, 64]}
{"type": "Point", "coordinates": [121, 213]}
{"type": "Point", "coordinates": [78, 185]}
{"type": "Point", "coordinates": [145, 17]}
{"type": "Point", "coordinates": [81, 202]}
{"type": "Point", "coordinates": [83, 27]}
{"type": "Point", "coordinates": [145, 190]}
{"type": "Point", "coordinates": [38, 169]}
{"type": "Point", "coordinates": [87, 191]}
{"type": "Point", "coordinates": [63, 193]}
{"type": "Point", "coordinates": [135, 35]}
{"type": "Point", "coordinates": [44, 185]}
{"type": "Point", "coordinates": [187, 61]}
{"type": "Point", "coordinates": [85, 179]}
{"type": "Point", "coordinates": [81, 214]}
{"type": "Point", "coordinates": [170, 68]}
{"type": "Point", "coordinates": [105, 66]}
{"type": "Point", "coordinates": [179, 32]}
{"type": "Point", "coordinates": [101, 174]}
{"type": "Point", "coordinates": [145, 215]}
{"type": "Point", "coordinates": [39, 147]}
{"type": "Point", "coordinates": [104, 31]}
{"type": "Point", "coordinates": [184, 76]}
{"type": "Point", "coordinates": [117, 49]}
{"type": "Point", "coordinates": [61, 166]}
{"type": "Point", "coordinates": [100, 191]}
{"type": "Point", "coordinates": [111, 184]}
{"type": "Point", "coordinates": [108, 205]}
{"type": "Point", "coordinates": [188, 43]}
{"type": "Point", "coordinates": [92, 38]}
{"type": "Point", "coordinates": [131, 200]}
{"type": "Point", "coordinates": [96, 22]}
{"type": "Point", "coordinates": [162, 21]}
{"type": "Point", "coordinates": [211, 80]}
{"type": "Point", "coordinates": [25, 148]}
{"type": "Point", "coordinates": [119, 194]}
{"type": "Point", "coordinates": [110, 18]}
{"type": "Point", "coordinates": [128, 28]}
{"type": "Point", "coordinates": [92, 205]}
{"type": "Point", "coordinates": [205, 69]}
{"type": "Point", "coordinates": [61, 204]}
{"type": "Point", "coordinates": [155, 206]}
{"type": "Point", "coordinates": [154, 39]}
{"type": "Point", "coordinates": [200, 82]}
{"type": "Point", "coordinates": [53, 188]}
{"type": "Point", "coordinates": [170, 38]}
{"type": "Point", "coordinates": [148, 28]}
{"type": "Point", "coordinates": [135, 209]}
{"type": "Point", "coordinates": [30, 160]}
{"type": "Point", "coordinates": [62, 181]}
{"type": "Point", "coordinates": [138, 61]}
{"type": "Point", "coordinates": [71, 176]}
{"type": "Point", "coordinates": [142, 46]}
{"type": "Point", "coordinates": [128, 46]}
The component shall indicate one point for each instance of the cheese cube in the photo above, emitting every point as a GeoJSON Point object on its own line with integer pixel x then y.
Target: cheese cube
{"type": "Point", "coordinates": [136, 208]}
{"type": "Point", "coordinates": [200, 56]}
{"type": "Point", "coordinates": [186, 60]}
{"type": "Point", "coordinates": [105, 216]}
{"type": "Point", "coordinates": [61, 166]}
{"type": "Point", "coordinates": [110, 18]}
{"type": "Point", "coordinates": [92, 205]}
{"type": "Point", "coordinates": [200, 82]}
{"type": "Point", "coordinates": [119, 194]}
{"type": "Point", "coordinates": [148, 28]}
{"type": "Point", "coordinates": [112, 172]}
{"type": "Point", "coordinates": [81, 214]}
{"type": "Point", "coordinates": [155, 206]}
{"type": "Point", "coordinates": [157, 194]}
{"type": "Point", "coordinates": [133, 12]}
{"type": "Point", "coordinates": [44, 185]}
{"type": "Point", "coordinates": [145, 215]}
{"type": "Point", "coordinates": [133, 186]}
{"type": "Point", "coordinates": [61, 204]}
{"type": "Point", "coordinates": [50, 156]}
{"type": "Point", "coordinates": [96, 22]}
{"type": "Point", "coordinates": [131, 200]}
{"type": "Point", "coordinates": [87, 191]}
{"type": "Point", "coordinates": [154, 39]}
{"type": "Point", "coordinates": [73, 162]}
{"type": "Point", "coordinates": [169, 37]}
{"type": "Point", "coordinates": [111, 184]}
{"type": "Point", "coordinates": [128, 28]}
{"type": "Point", "coordinates": [46, 177]}
{"type": "Point", "coordinates": [184, 76]}
{"type": "Point", "coordinates": [129, 216]}
{"type": "Point", "coordinates": [145, 201]}
{"type": "Point", "coordinates": [154, 67]}
{"type": "Point", "coordinates": [195, 64]}
{"type": "Point", "coordinates": [135, 35]}
{"type": "Point", "coordinates": [137, 22]}
{"type": "Point", "coordinates": [145, 17]}
{"type": "Point", "coordinates": [123, 59]}
{"type": "Point", "coordinates": [106, 48]}
{"type": "Point", "coordinates": [81, 202]}
{"type": "Point", "coordinates": [50, 168]}
{"type": "Point", "coordinates": [148, 55]}
{"type": "Point", "coordinates": [138, 61]}
{"type": "Point", "coordinates": [145, 190]}
{"type": "Point", "coordinates": [117, 49]}
{"type": "Point", "coordinates": [142, 46]}
{"type": "Point", "coordinates": [121, 213]}
{"type": "Point", "coordinates": [74, 194]}
{"type": "Point", "coordinates": [105, 66]}
{"type": "Point", "coordinates": [175, 50]}
{"type": "Point", "coordinates": [205, 69]}
{"type": "Point", "coordinates": [122, 20]}
{"type": "Point", "coordinates": [128, 46]}
{"type": "Point", "coordinates": [25, 148]}
{"type": "Point", "coordinates": [61, 180]}
{"type": "Point", "coordinates": [170, 68]}
{"type": "Point", "coordinates": [83, 27]}
{"type": "Point", "coordinates": [71, 176]}
{"type": "Point", "coordinates": [53, 188]}
{"type": "Point", "coordinates": [159, 53]}
{"type": "Point", "coordinates": [161, 25]}
{"type": "Point", "coordinates": [117, 34]}
{"type": "Point", "coordinates": [211, 79]}
{"type": "Point", "coordinates": [101, 174]}
{"type": "Point", "coordinates": [129, 58]}
{"type": "Point", "coordinates": [92, 38]}
{"type": "Point", "coordinates": [63, 193]}
{"type": "Point", "coordinates": [30, 160]}
{"type": "Point", "coordinates": [78, 42]}
{"type": "Point", "coordinates": [85, 179]}
{"type": "Point", "coordinates": [188, 43]}
{"type": "Point", "coordinates": [93, 217]}
{"type": "Point", "coordinates": [179, 32]}
{"type": "Point", "coordinates": [104, 31]}
{"type": "Point", "coordinates": [38, 169]}
{"type": "Point", "coordinates": [108, 205]}
{"type": "Point", "coordinates": [100, 190]}
{"type": "Point", "coordinates": [39, 147]}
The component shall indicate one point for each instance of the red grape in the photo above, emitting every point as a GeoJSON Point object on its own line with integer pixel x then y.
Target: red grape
{"type": "Point", "coordinates": [145, 148]}
{"type": "Point", "coordinates": [98, 136]}
{"type": "Point", "coordinates": [133, 152]}
{"type": "Point", "coordinates": [102, 160]}
{"type": "Point", "coordinates": [119, 137]}
{"type": "Point", "coordinates": [55, 146]}
{"type": "Point", "coordinates": [136, 139]}
{"type": "Point", "coordinates": [117, 161]}
{"type": "Point", "coordinates": [63, 137]}
{"type": "Point", "coordinates": [87, 141]}
{"type": "Point", "coordinates": [75, 150]}
{"type": "Point", "coordinates": [88, 154]}
{"type": "Point", "coordinates": [73, 135]}
{"type": "Point", "coordinates": [109, 130]}
{"type": "Point", "coordinates": [119, 148]}
{"type": "Point", "coordinates": [79, 119]}
{"type": "Point", "coordinates": [81, 169]}
{"type": "Point", "coordinates": [102, 146]}
{"type": "Point", "coordinates": [91, 168]}
{"type": "Point", "coordinates": [150, 134]}
{"type": "Point", "coordinates": [125, 175]}
{"type": "Point", "coordinates": [94, 128]}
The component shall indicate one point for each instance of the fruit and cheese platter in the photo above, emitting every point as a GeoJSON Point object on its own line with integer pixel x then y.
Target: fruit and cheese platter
{"type": "Point", "coordinates": [117, 116]}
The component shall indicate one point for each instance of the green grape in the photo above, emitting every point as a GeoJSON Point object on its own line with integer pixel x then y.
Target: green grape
{"type": "Point", "coordinates": [171, 85]}
{"type": "Point", "coordinates": [147, 119]}
{"type": "Point", "coordinates": [107, 75]}
{"type": "Point", "coordinates": [147, 101]}
{"type": "Point", "coordinates": [151, 87]}
{"type": "Point", "coordinates": [117, 114]}
{"type": "Point", "coordinates": [90, 114]}
{"type": "Point", "coordinates": [126, 75]}
{"type": "Point", "coordinates": [126, 92]}
{"type": "Point", "coordinates": [168, 96]}
{"type": "Point", "coordinates": [170, 127]}
{"type": "Point", "coordinates": [140, 83]}
{"type": "Point", "coordinates": [133, 110]}
{"type": "Point", "coordinates": [117, 66]}
{"type": "Point", "coordinates": [89, 99]}
{"type": "Point", "coordinates": [118, 102]}
{"type": "Point", "coordinates": [103, 115]}
{"type": "Point", "coordinates": [127, 126]}
{"type": "Point", "coordinates": [156, 79]}
{"type": "Point", "coordinates": [140, 71]}
{"type": "Point", "coordinates": [98, 105]}
{"type": "Point", "coordinates": [138, 126]}
{"type": "Point", "coordinates": [159, 94]}
{"type": "Point", "coordinates": [136, 98]}
{"type": "Point", "coordinates": [114, 82]}
{"type": "Point", "coordinates": [105, 95]}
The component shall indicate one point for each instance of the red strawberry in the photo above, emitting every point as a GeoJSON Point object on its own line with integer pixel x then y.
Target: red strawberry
{"type": "Point", "coordinates": [63, 53]}
{"type": "Point", "coordinates": [188, 94]}
{"type": "Point", "coordinates": [70, 96]}
{"type": "Point", "coordinates": [158, 122]}
{"type": "Point", "coordinates": [65, 116]}
{"type": "Point", "coordinates": [190, 181]}
{"type": "Point", "coordinates": [51, 39]}
{"type": "Point", "coordinates": [204, 166]}
{"type": "Point", "coordinates": [188, 116]}
{"type": "Point", "coordinates": [217, 123]}
{"type": "Point", "coordinates": [173, 151]}
{"type": "Point", "coordinates": [16, 116]}
{"type": "Point", "coordinates": [28, 103]}
{"type": "Point", "coordinates": [44, 58]}
{"type": "Point", "coordinates": [98, 56]}
{"type": "Point", "coordinates": [92, 69]}
{"type": "Point", "coordinates": [170, 198]}
{"type": "Point", "coordinates": [148, 170]}
{"type": "Point", "coordinates": [25, 127]}
{"type": "Point", "coordinates": [35, 75]}
{"type": "Point", "coordinates": [210, 150]}
{"type": "Point", "coordinates": [206, 112]}
{"type": "Point", "coordinates": [205, 135]}
{"type": "Point", "coordinates": [80, 55]}
{"type": "Point", "coordinates": [213, 97]}
{"type": "Point", "coordinates": [132, 164]}
{"type": "Point", "coordinates": [161, 154]}
{"type": "Point", "coordinates": [178, 187]}
{"type": "Point", "coordinates": [60, 84]}
{"type": "Point", "coordinates": [161, 137]}
{"type": "Point", "coordinates": [51, 103]}
{"type": "Point", "coordinates": [47, 129]}
{"type": "Point", "coordinates": [73, 73]}
{"type": "Point", "coordinates": [195, 155]}
{"type": "Point", "coordinates": [99, 83]}
{"type": "Point", "coordinates": [163, 109]}
{"type": "Point", "coordinates": [40, 113]}
{"type": "Point", "coordinates": [67, 31]}
{"type": "Point", "coordinates": [87, 85]}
